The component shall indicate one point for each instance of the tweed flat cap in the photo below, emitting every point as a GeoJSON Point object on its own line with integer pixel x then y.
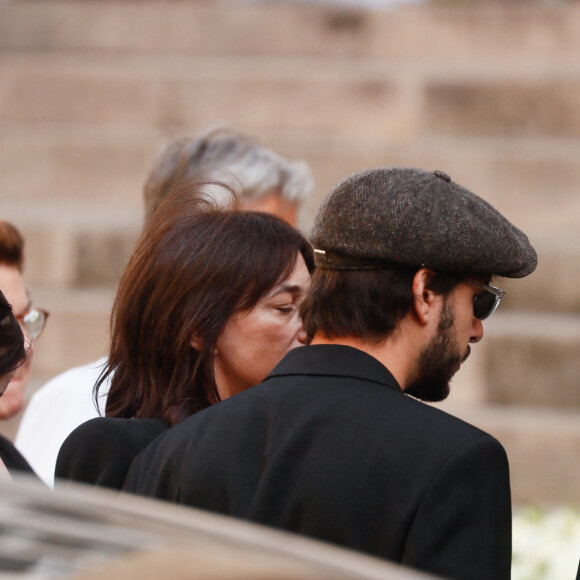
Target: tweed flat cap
{"type": "Point", "coordinates": [405, 216]}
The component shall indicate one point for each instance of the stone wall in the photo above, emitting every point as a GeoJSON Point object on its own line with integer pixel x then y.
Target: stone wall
{"type": "Point", "coordinates": [90, 90]}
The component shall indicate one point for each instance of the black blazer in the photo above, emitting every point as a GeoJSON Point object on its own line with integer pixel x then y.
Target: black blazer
{"type": "Point", "coordinates": [100, 451]}
{"type": "Point", "coordinates": [329, 446]}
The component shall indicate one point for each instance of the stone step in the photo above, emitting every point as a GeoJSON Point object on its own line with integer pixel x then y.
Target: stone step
{"type": "Point", "coordinates": [81, 219]}
{"type": "Point", "coordinates": [469, 32]}
{"type": "Point", "coordinates": [526, 360]}
{"type": "Point", "coordinates": [372, 98]}
{"type": "Point", "coordinates": [555, 285]}
{"type": "Point", "coordinates": [72, 246]}
{"type": "Point", "coordinates": [533, 181]}
{"type": "Point", "coordinates": [540, 445]}
{"type": "Point", "coordinates": [79, 258]}
{"type": "Point", "coordinates": [532, 359]}
{"type": "Point", "coordinates": [77, 330]}
{"type": "Point", "coordinates": [504, 107]}
{"type": "Point", "coordinates": [75, 163]}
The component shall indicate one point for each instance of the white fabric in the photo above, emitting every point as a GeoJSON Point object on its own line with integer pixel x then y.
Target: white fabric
{"type": "Point", "coordinates": [54, 411]}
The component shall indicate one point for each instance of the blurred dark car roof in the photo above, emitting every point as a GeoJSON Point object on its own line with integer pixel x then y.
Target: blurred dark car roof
{"type": "Point", "coordinates": [82, 532]}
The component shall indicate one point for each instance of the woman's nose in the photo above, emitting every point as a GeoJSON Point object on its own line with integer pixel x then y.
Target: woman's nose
{"type": "Point", "coordinates": [302, 336]}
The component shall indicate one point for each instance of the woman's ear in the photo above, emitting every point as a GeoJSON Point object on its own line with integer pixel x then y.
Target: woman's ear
{"type": "Point", "coordinates": [425, 299]}
{"type": "Point", "coordinates": [197, 344]}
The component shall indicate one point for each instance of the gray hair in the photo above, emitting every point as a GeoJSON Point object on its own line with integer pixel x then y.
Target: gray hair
{"type": "Point", "coordinates": [225, 156]}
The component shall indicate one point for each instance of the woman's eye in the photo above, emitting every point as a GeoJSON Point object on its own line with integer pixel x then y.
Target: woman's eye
{"type": "Point", "coordinates": [286, 309]}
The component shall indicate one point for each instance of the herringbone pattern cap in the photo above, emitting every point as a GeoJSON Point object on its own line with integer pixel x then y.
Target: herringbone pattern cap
{"type": "Point", "coordinates": [407, 216]}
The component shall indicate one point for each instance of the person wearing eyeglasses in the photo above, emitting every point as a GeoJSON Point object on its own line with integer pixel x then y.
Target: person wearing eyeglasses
{"type": "Point", "coordinates": [31, 319]}
{"type": "Point", "coordinates": [336, 443]}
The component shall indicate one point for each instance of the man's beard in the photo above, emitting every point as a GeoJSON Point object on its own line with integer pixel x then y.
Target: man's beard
{"type": "Point", "coordinates": [438, 361]}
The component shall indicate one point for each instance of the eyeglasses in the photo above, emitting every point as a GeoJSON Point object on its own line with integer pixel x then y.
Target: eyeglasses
{"type": "Point", "coordinates": [485, 303]}
{"type": "Point", "coordinates": [33, 321]}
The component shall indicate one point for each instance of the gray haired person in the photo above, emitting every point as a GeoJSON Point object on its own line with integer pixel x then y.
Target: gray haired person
{"type": "Point", "coordinates": [336, 443]}
{"type": "Point", "coordinates": [264, 180]}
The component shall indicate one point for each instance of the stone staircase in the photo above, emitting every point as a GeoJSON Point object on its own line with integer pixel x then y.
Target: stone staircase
{"type": "Point", "coordinates": [90, 90]}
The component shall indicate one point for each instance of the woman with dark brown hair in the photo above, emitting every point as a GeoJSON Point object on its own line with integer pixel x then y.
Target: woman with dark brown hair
{"type": "Point", "coordinates": [12, 356]}
{"type": "Point", "coordinates": [207, 306]}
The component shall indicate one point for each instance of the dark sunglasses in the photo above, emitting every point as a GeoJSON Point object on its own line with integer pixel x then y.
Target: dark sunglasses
{"type": "Point", "coordinates": [485, 303]}
{"type": "Point", "coordinates": [33, 321]}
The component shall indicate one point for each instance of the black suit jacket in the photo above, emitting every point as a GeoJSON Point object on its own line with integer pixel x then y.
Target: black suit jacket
{"type": "Point", "coordinates": [99, 452]}
{"type": "Point", "coordinates": [330, 446]}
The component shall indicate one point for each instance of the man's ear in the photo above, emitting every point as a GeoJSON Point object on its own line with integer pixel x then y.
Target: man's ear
{"type": "Point", "coordinates": [425, 299]}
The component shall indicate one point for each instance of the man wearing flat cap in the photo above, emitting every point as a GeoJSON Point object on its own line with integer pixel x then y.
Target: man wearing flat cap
{"type": "Point", "coordinates": [334, 443]}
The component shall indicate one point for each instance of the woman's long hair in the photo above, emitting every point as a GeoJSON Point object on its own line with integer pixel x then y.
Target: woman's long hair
{"type": "Point", "coordinates": [12, 344]}
{"type": "Point", "coordinates": [193, 268]}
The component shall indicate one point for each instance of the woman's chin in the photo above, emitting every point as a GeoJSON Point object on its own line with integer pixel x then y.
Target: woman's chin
{"type": "Point", "coordinates": [12, 399]}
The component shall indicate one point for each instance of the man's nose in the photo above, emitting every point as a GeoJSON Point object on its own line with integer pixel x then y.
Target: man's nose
{"type": "Point", "coordinates": [476, 330]}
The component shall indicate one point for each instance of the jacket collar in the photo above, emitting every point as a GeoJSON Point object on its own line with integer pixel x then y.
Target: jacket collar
{"type": "Point", "coordinates": [334, 360]}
